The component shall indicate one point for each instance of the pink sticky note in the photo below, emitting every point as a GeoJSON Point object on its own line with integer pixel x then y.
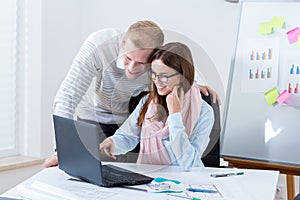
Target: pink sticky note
{"type": "Point", "coordinates": [283, 96]}
{"type": "Point", "coordinates": [293, 35]}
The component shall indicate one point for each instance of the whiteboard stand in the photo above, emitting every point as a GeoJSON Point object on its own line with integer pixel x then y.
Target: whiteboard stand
{"type": "Point", "coordinates": [289, 170]}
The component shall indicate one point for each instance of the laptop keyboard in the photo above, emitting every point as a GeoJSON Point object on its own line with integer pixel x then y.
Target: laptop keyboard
{"type": "Point", "coordinates": [114, 177]}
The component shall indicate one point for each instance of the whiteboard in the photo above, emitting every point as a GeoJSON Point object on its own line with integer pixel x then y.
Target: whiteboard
{"type": "Point", "coordinates": [252, 129]}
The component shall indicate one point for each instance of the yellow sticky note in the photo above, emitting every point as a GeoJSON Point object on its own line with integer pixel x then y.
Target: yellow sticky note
{"type": "Point", "coordinates": [265, 28]}
{"type": "Point", "coordinates": [271, 96]}
{"type": "Point", "coordinates": [298, 42]}
{"type": "Point", "coordinates": [278, 22]}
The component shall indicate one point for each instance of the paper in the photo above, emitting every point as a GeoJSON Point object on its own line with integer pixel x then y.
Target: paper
{"type": "Point", "coordinates": [271, 96]}
{"type": "Point", "coordinates": [290, 71]}
{"type": "Point", "coordinates": [203, 194]}
{"type": "Point", "coordinates": [53, 190]}
{"type": "Point", "coordinates": [87, 191]}
{"type": "Point", "coordinates": [28, 192]}
{"type": "Point", "coordinates": [278, 22]}
{"type": "Point", "coordinates": [265, 28]}
{"type": "Point", "coordinates": [67, 190]}
{"type": "Point", "coordinates": [260, 65]}
{"type": "Point", "coordinates": [293, 35]}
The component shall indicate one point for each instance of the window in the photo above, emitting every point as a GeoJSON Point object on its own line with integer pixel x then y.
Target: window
{"type": "Point", "coordinates": [8, 89]}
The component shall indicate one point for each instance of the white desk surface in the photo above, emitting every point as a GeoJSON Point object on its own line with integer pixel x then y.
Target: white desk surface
{"type": "Point", "coordinates": [253, 185]}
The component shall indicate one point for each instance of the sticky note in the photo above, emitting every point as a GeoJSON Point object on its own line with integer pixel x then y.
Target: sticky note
{"type": "Point", "coordinates": [265, 28]}
{"type": "Point", "coordinates": [294, 101]}
{"type": "Point", "coordinates": [293, 35]}
{"type": "Point", "coordinates": [278, 22]}
{"type": "Point", "coordinates": [298, 42]}
{"type": "Point", "coordinates": [271, 96]}
{"type": "Point", "coordinates": [283, 96]}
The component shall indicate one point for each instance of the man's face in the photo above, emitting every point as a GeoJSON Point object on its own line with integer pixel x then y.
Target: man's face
{"type": "Point", "coordinates": [135, 60]}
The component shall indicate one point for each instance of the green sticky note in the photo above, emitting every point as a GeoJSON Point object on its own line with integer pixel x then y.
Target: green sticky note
{"type": "Point", "coordinates": [278, 22]}
{"type": "Point", "coordinates": [298, 42]}
{"type": "Point", "coordinates": [265, 28]}
{"type": "Point", "coordinates": [271, 96]}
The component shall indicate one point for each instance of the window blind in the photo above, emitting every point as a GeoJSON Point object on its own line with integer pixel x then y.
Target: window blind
{"type": "Point", "coordinates": [7, 77]}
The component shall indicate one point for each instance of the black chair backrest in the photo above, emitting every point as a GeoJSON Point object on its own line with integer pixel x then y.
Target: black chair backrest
{"type": "Point", "coordinates": [297, 197]}
{"type": "Point", "coordinates": [211, 155]}
{"type": "Point", "coordinates": [134, 101]}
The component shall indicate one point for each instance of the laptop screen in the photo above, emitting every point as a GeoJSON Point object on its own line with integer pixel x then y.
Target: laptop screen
{"type": "Point", "coordinates": [77, 146]}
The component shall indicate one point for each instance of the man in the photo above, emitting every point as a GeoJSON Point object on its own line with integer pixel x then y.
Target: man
{"type": "Point", "coordinates": [108, 70]}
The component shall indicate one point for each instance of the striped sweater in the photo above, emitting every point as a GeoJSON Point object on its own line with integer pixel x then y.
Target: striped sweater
{"type": "Point", "coordinates": [96, 87]}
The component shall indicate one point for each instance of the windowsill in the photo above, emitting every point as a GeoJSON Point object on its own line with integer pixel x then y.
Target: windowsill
{"type": "Point", "coordinates": [15, 162]}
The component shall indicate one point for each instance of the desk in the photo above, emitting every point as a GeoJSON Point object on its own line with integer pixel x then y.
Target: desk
{"type": "Point", "coordinates": [289, 170]}
{"type": "Point", "coordinates": [253, 185]}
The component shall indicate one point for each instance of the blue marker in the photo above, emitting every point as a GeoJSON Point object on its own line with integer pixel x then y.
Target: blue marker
{"type": "Point", "coordinates": [201, 190]}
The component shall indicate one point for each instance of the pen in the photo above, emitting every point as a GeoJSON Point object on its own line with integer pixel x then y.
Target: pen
{"type": "Point", "coordinates": [201, 190]}
{"type": "Point", "coordinates": [227, 174]}
{"type": "Point", "coordinates": [192, 198]}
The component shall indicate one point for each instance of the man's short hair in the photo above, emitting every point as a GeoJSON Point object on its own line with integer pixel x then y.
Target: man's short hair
{"type": "Point", "coordinates": [145, 34]}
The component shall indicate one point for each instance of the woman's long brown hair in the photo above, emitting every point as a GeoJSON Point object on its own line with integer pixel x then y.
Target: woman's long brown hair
{"type": "Point", "coordinates": [177, 56]}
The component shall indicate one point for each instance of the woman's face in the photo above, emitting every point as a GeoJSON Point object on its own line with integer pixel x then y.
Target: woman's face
{"type": "Point", "coordinates": [164, 77]}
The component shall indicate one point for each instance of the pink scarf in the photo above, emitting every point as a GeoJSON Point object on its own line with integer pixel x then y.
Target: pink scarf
{"type": "Point", "coordinates": [152, 149]}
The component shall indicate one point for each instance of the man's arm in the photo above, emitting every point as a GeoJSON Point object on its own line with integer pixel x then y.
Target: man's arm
{"type": "Point", "coordinates": [83, 69]}
{"type": "Point", "coordinates": [126, 137]}
{"type": "Point", "coordinates": [74, 86]}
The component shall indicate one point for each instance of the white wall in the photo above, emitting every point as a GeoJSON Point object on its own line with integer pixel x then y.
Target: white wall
{"type": "Point", "coordinates": [65, 24]}
{"type": "Point", "coordinates": [210, 23]}
{"type": "Point", "coordinates": [61, 39]}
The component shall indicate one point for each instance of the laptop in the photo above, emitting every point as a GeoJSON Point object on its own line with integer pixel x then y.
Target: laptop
{"type": "Point", "coordinates": [77, 144]}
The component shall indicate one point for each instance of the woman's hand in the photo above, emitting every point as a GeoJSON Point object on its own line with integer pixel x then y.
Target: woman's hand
{"type": "Point", "coordinates": [51, 162]}
{"type": "Point", "coordinates": [107, 147]}
{"type": "Point", "coordinates": [174, 99]}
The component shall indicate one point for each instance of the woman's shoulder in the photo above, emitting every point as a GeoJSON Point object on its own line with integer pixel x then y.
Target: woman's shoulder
{"type": "Point", "coordinates": [207, 112]}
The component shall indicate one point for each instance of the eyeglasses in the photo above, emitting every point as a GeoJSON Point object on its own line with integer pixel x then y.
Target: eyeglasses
{"type": "Point", "coordinates": [162, 78]}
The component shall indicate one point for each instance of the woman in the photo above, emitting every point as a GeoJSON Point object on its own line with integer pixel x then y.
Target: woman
{"type": "Point", "coordinates": [172, 123]}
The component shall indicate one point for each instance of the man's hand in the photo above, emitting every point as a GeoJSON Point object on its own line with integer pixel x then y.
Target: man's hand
{"type": "Point", "coordinates": [107, 147]}
{"type": "Point", "coordinates": [51, 162]}
{"type": "Point", "coordinates": [206, 90]}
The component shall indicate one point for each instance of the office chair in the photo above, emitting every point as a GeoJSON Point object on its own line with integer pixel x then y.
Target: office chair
{"type": "Point", "coordinates": [297, 197]}
{"type": "Point", "coordinates": [212, 153]}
